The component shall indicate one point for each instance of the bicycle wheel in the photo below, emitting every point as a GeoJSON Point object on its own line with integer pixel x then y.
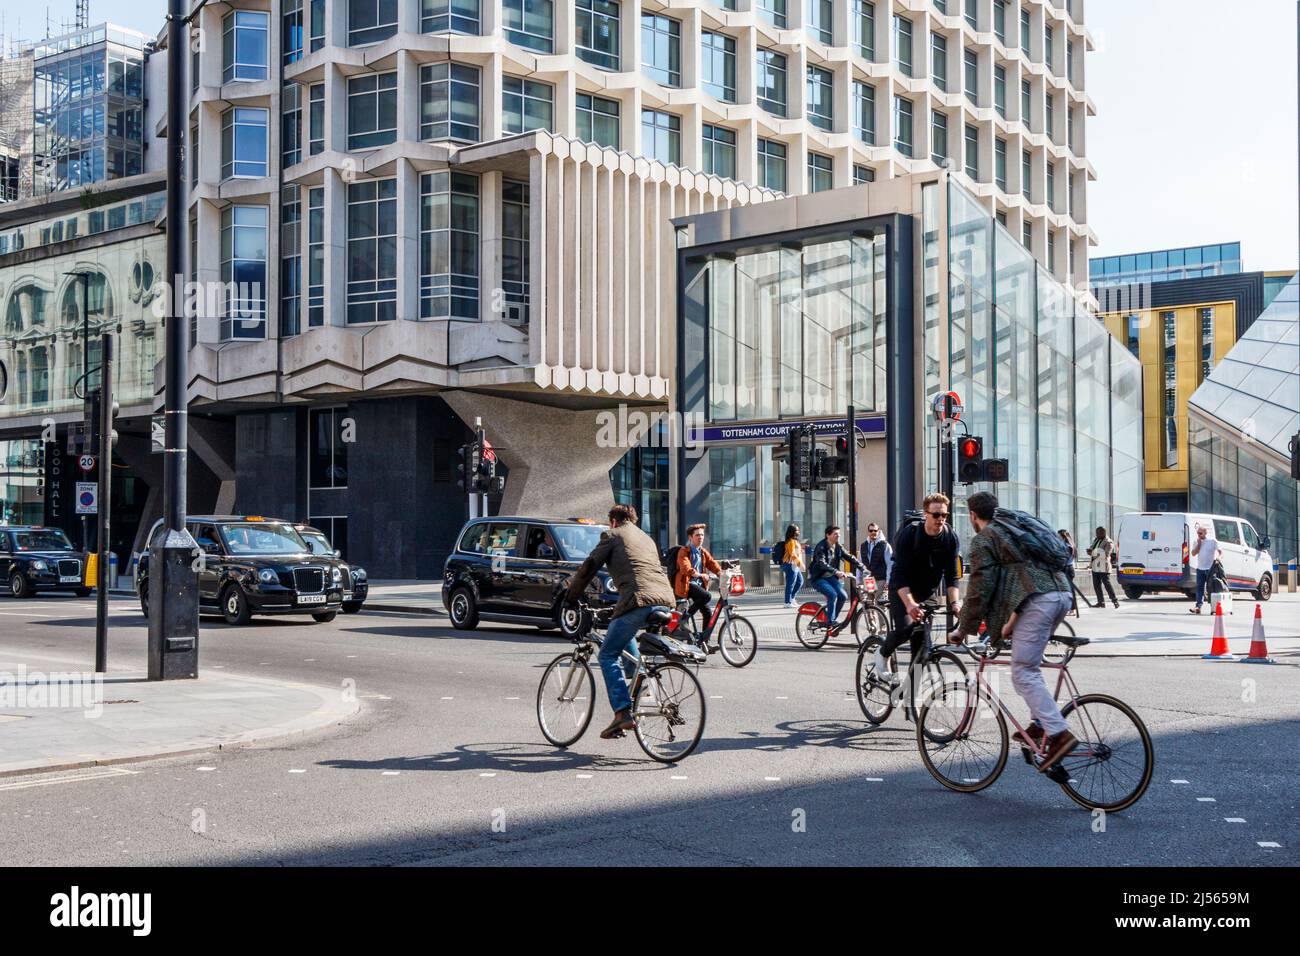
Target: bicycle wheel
{"type": "Point", "coordinates": [669, 711]}
{"type": "Point", "coordinates": [810, 637]}
{"type": "Point", "coordinates": [737, 641]}
{"type": "Point", "coordinates": [1055, 653]}
{"type": "Point", "coordinates": [565, 699]}
{"type": "Point", "coordinates": [1113, 764]}
{"type": "Point", "coordinates": [875, 696]}
{"type": "Point", "coordinates": [962, 737]}
{"type": "Point", "coordinates": [869, 622]}
{"type": "Point", "coordinates": [942, 669]}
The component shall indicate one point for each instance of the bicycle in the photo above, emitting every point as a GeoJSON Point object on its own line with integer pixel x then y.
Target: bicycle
{"type": "Point", "coordinates": [668, 703]}
{"type": "Point", "coordinates": [737, 639]}
{"type": "Point", "coordinates": [937, 668]}
{"type": "Point", "coordinates": [866, 618]}
{"type": "Point", "coordinates": [966, 751]}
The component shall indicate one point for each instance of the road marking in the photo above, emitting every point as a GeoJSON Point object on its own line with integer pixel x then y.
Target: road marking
{"type": "Point", "coordinates": [1234, 819]}
{"type": "Point", "coordinates": [309, 660]}
{"type": "Point", "coordinates": [678, 778]}
{"type": "Point", "coordinates": [584, 776]}
{"type": "Point", "coordinates": [715, 697]}
{"type": "Point", "coordinates": [96, 775]}
{"type": "Point", "coordinates": [390, 773]}
{"type": "Point", "coordinates": [779, 697]}
{"type": "Point", "coordinates": [1269, 844]}
{"type": "Point", "coordinates": [512, 698]}
{"type": "Point", "coordinates": [1206, 800]}
{"type": "Point", "coordinates": [296, 770]}
{"type": "Point", "coordinates": [449, 698]}
{"type": "Point", "coordinates": [203, 769]}
{"type": "Point", "coordinates": [1178, 781]}
{"type": "Point", "coordinates": [350, 656]}
{"type": "Point", "coordinates": [263, 663]}
{"type": "Point", "coordinates": [772, 779]}
{"type": "Point", "coordinates": [216, 667]}
{"type": "Point", "coordinates": [875, 780]}
{"type": "Point", "coordinates": [375, 697]}
{"type": "Point", "coordinates": [487, 775]}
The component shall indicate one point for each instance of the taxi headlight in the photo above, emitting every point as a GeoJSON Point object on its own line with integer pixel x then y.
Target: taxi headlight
{"type": "Point", "coordinates": [610, 586]}
{"type": "Point", "coordinates": [336, 575]}
{"type": "Point", "coordinates": [39, 565]}
{"type": "Point", "coordinates": [267, 576]}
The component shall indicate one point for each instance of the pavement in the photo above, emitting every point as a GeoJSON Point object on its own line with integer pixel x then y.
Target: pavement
{"type": "Point", "coordinates": [1154, 625]}
{"type": "Point", "coordinates": [57, 714]}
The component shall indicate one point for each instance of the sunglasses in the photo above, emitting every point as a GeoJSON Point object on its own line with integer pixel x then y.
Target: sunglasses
{"type": "Point", "coordinates": [940, 515]}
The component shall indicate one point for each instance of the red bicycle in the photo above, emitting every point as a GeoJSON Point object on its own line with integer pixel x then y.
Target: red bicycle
{"type": "Point", "coordinates": [865, 617]}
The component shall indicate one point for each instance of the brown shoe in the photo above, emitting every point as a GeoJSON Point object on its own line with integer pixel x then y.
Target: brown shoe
{"type": "Point", "coordinates": [1031, 736]}
{"type": "Point", "coordinates": [1058, 745]}
{"type": "Point", "coordinates": [622, 721]}
{"type": "Point", "coordinates": [1193, 610]}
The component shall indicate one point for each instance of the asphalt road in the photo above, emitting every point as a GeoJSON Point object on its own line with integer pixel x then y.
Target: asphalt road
{"type": "Point", "coordinates": [445, 765]}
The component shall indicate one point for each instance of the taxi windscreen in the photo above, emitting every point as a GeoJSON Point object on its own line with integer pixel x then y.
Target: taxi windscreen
{"type": "Point", "coordinates": [577, 540]}
{"type": "Point", "coordinates": [262, 538]}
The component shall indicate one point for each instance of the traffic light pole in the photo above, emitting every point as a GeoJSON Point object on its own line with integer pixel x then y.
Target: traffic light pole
{"type": "Point", "coordinates": [851, 432]}
{"type": "Point", "coordinates": [480, 436]}
{"type": "Point", "coordinates": [105, 426]}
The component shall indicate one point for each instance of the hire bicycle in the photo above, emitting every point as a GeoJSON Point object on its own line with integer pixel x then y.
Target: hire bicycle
{"type": "Point", "coordinates": [865, 617]}
{"type": "Point", "coordinates": [667, 701]}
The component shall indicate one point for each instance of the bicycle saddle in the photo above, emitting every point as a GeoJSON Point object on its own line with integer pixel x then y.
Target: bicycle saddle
{"type": "Point", "coordinates": [658, 618]}
{"type": "Point", "coordinates": [1069, 641]}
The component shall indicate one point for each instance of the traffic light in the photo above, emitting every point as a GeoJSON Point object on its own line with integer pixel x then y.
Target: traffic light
{"type": "Point", "coordinates": [801, 447]}
{"type": "Point", "coordinates": [467, 471]}
{"type": "Point", "coordinates": [485, 479]}
{"type": "Point", "coordinates": [970, 460]}
{"type": "Point", "coordinates": [835, 467]}
{"type": "Point", "coordinates": [997, 469]}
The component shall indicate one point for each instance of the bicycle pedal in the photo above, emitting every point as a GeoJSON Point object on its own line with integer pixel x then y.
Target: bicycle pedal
{"type": "Point", "coordinates": [617, 735]}
{"type": "Point", "coordinates": [1057, 774]}
{"type": "Point", "coordinates": [1028, 755]}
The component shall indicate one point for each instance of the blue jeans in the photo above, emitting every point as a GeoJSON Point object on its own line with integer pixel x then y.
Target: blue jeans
{"type": "Point", "coordinates": [621, 635]}
{"type": "Point", "coordinates": [793, 581]}
{"type": "Point", "coordinates": [1201, 578]}
{"type": "Point", "coordinates": [835, 596]}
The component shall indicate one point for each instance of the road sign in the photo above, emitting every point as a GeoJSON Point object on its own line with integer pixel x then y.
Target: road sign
{"type": "Point", "coordinates": [947, 408]}
{"type": "Point", "coordinates": [87, 498]}
{"type": "Point", "coordinates": [488, 451]}
{"type": "Point", "coordinates": [86, 463]}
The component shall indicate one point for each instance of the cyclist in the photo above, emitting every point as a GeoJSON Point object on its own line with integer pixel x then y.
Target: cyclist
{"type": "Point", "coordinates": [825, 571]}
{"type": "Point", "coordinates": [925, 556]}
{"type": "Point", "coordinates": [633, 562]}
{"type": "Point", "coordinates": [1023, 600]}
{"type": "Point", "coordinates": [878, 556]}
{"type": "Point", "coordinates": [694, 569]}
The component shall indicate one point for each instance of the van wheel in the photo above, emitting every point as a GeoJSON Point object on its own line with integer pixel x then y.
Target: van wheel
{"type": "Point", "coordinates": [463, 611]}
{"type": "Point", "coordinates": [234, 606]}
{"type": "Point", "coordinates": [1265, 589]}
{"type": "Point", "coordinates": [1132, 593]}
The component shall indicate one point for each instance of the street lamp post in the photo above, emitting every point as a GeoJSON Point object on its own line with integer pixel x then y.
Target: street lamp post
{"type": "Point", "coordinates": [173, 579]}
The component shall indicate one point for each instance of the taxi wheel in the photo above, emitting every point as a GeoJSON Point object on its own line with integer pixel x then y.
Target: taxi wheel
{"type": "Point", "coordinates": [351, 607]}
{"type": "Point", "coordinates": [324, 617]}
{"type": "Point", "coordinates": [234, 606]}
{"type": "Point", "coordinates": [463, 610]}
{"type": "Point", "coordinates": [18, 586]}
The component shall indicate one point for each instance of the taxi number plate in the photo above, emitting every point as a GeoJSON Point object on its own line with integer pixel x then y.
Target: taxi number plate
{"type": "Point", "coordinates": [69, 579]}
{"type": "Point", "coordinates": [311, 599]}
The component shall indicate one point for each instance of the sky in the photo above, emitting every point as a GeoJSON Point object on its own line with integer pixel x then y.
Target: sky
{"type": "Point", "coordinates": [1194, 140]}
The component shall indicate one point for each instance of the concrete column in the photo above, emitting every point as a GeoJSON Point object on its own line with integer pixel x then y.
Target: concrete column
{"type": "Point", "coordinates": [336, 248]}
{"type": "Point", "coordinates": [408, 94]}
{"type": "Point", "coordinates": [208, 273]}
{"type": "Point", "coordinates": [491, 297]}
{"type": "Point", "coordinates": [336, 109]}
{"type": "Point", "coordinates": [408, 241]}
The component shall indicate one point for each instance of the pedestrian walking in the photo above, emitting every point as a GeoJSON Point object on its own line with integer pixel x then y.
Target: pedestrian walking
{"type": "Point", "coordinates": [1100, 557]}
{"type": "Point", "coordinates": [1205, 551]}
{"type": "Point", "coordinates": [792, 563]}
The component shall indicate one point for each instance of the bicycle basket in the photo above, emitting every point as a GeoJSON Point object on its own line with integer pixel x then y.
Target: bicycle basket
{"type": "Point", "coordinates": [737, 585]}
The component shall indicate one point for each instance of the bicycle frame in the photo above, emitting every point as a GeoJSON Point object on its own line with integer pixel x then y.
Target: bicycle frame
{"type": "Point", "coordinates": [722, 603]}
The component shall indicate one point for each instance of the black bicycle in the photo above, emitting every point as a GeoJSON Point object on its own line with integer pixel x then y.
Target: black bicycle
{"type": "Point", "coordinates": [928, 672]}
{"type": "Point", "coordinates": [667, 700]}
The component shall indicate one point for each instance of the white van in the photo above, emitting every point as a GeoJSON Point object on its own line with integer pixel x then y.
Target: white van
{"type": "Point", "coordinates": [1155, 553]}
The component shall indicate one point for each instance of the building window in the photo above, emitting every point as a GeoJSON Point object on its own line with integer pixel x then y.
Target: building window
{"type": "Point", "coordinates": [1048, 36]}
{"type": "Point", "coordinates": [515, 251]}
{"type": "Point", "coordinates": [903, 126]}
{"type": "Point", "coordinates": [864, 112]}
{"type": "Point", "coordinates": [661, 49]}
{"type": "Point", "coordinates": [718, 65]}
{"type": "Point", "coordinates": [530, 23]}
{"type": "Point", "coordinates": [372, 251]}
{"type": "Point", "coordinates": [939, 60]}
{"type": "Point", "coordinates": [316, 256]}
{"type": "Point", "coordinates": [194, 71]}
{"type": "Point", "coordinates": [968, 8]}
{"type": "Point", "coordinates": [863, 174]}
{"type": "Point", "coordinates": [595, 32]}
{"type": "Point", "coordinates": [1000, 89]}
{"type": "Point", "coordinates": [1000, 20]}
{"type": "Point", "coordinates": [771, 164]}
{"type": "Point", "coordinates": [1026, 175]}
{"type": "Point", "coordinates": [291, 31]}
{"type": "Point", "coordinates": [449, 253]}
{"type": "Point", "coordinates": [1026, 102]}
{"type": "Point", "coordinates": [194, 155]}
{"type": "Point", "coordinates": [938, 137]}
{"type": "Point", "coordinates": [1024, 29]}
{"type": "Point", "coordinates": [772, 10]}
{"type": "Point", "coordinates": [972, 141]}
{"type": "Point", "coordinates": [820, 173]}
{"type": "Point", "coordinates": [449, 16]}
{"type": "Point", "coordinates": [661, 136]}
{"type": "Point", "coordinates": [1069, 127]}
{"type": "Point", "coordinates": [1049, 117]}
{"type": "Point", "coordinates": [243, 272]}
{"type": "Point", "coordinates": [1069, 195]}
{"type": "Point", "coordinates": [244, 46]}
{"type": "Point", "coordinates": [372, 110]}
{"type": "Point", "coordinates": [718, 155]}
{"type": "Point", "coordinates": [598, 120]}
{"type": "Point", "coordinates": [1132, 334]}
{"type": "Point", "coordinates": [328, 451]}
{"type": "Point", "coordinates": [1051, 185]}
{"type": "Point", "coordinates": [243, 142]}
{"type": "Point", "coordinates": [819, 20]}
{"type": "Point", "coordinates": [1051, 251]}
{"type": "Point", "coordinates": [1027, 235]}
{"type": "Point", "coordinates": [291, 124]}
{"type": "Point", "coordinates": [971, 62]}
{"type": "Point", "coordinates": [290, 261]}
{"type": "Point", "coordinates": [1169, 376]}
{"type": "Point", "coordinates": [903, 44]}
{"type": "Point", "coordinates": [1207, 342]}
{"type": "Point", "coordinates": [316, 25]}
{"type": "Point", "coordinates": [819, 104]}
{"type": "Point", "coordinates": [770, 81]}
{"type": "Point", "coordinates": [1000, 163]}
{"type": "Point", "coordinates": [449, 102]}
{"type": "Point", "coordinates": [370, 21]}
{"type": "Point", "coordinates": [864, 24]}
{"type": "Point", "coordinates": [316, 119]}
{"type": "Point", "coordinates": [526, 104]}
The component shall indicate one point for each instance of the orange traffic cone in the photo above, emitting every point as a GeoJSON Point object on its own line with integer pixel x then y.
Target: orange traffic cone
{"type": "Point", "coordinates": [1219, 643]}
{"type": "Point", "coordinates": [1258, 646]}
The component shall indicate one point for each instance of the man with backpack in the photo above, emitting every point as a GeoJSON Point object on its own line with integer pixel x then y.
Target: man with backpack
{"type": "Point", "coordinates": [692, 570]}
{"type": "Point", "coordinates": [1019, 590]}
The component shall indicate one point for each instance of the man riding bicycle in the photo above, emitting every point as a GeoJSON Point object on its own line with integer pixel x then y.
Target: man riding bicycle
{"type": "Point", "coordinates": [633, 562]}
{"type": "Point", "coordinates": [825, 571]}
{"type": "Point", "coordinates": [692, 577]}
{"type": "Point", "coordinates": [925, 556]}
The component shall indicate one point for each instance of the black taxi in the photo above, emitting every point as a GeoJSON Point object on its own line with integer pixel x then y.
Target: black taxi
{"type": "Point", "coordinates": [516, 569]}
{"type": "Point", "coordinates": [320, 544]}
{"type": "Point", "coordinates": [40, 559]}
{"type": "Point", "coordinates": [256, 565]}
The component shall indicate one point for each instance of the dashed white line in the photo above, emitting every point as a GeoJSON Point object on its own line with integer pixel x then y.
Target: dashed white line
{"type": "Point", "coordinates": [449, 698]}
{"type": "Point", "coordinates": [350, 656]}
{"type": "Point", "coordinates": [677, 778]}
{"type": "Point", "coordinates": [715, 697]}
{"type": "Point", "coordinates": [487, 775]}
{"type": "Point", "coordinates": [390, 773]}
{"type": "Point", "coordinates": [779, 697]}
{"type": "Point", "coordinates": [512, 698]}
{"type": "Point", "coordinates": [297, 770]}
{"type": "Point", "coordinates": [1206, 800]}
{"type": "Point", "coordinates": [875, 780]}
{"type": "Point", "coordinates": [309, 660]}
{"type": "Point", "coordinates": [204, 769]}
{"type": "Point", "coordinates": [584, 776]}
{"type": "Point", "coordinates": [1178, 781]}
{"type": "Point", "coordinates": [1234, 819]}
{"type": "Point", "coordinates": [772, 779]}
{"type": "Point", "coordinates": [1269, 844]}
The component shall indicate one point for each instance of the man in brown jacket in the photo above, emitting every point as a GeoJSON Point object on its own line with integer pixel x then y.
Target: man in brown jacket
{"type": "Point", "coordinates": [633, 562]}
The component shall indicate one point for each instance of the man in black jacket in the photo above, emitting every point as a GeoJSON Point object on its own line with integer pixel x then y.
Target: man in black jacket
{"type": "Point", "coordinates": [878, 556]}
{"type": "Point", "coordinates": [925, 556]}
{"type": "Point", "coordinates": [825, 571]}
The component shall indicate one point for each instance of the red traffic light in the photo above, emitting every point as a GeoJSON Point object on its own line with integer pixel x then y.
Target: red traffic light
{"type": "Point", "coordinates": [971, 447]}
